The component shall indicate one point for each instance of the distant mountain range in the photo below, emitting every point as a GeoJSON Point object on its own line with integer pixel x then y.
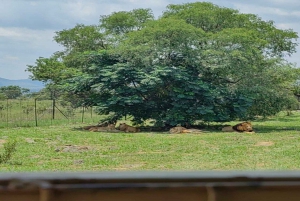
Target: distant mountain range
{"type": "Point", "coordinates": [33, 85]}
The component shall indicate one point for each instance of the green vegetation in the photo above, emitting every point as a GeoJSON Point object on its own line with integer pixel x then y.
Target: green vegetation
{"type": "Point", "coordinates": [9, 149]}
{"type": "Point", "coordinates": [198, 61]}
{"type": "Point", "coordinates": [12, 92]}
{"type": "Point", "coordinates": [274, 146]}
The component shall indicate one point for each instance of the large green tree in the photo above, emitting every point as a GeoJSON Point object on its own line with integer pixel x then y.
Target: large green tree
{"type": "Point", "coordinates": [198, 61]}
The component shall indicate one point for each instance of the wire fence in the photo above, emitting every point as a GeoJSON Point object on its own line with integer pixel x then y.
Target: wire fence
{"type": "Point", "coordinates": [34, 112]}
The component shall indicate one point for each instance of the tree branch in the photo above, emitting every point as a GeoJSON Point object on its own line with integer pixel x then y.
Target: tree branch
{"type": "Point", "coordinates": [139, 91]}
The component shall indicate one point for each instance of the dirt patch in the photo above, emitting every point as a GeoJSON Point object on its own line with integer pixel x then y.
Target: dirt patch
{"type": "Point", "coordinates": [55, 159]}
{"type": "Point", "coordinates": [2, 142]}
{"type": "Point", "coordinates": [269, 143]}
{"type": "Point", "coordinates": [29, 140]}
{"type": "Point", "coordinates": [78, 162]}
{"type": "Point", "coordinates": [72, 148]}
{"type": "Point", "coordinates": [130, 166]}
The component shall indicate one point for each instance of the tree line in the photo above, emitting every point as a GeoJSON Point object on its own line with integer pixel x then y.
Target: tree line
{"type": "Point", "coordinates": [197, 61]}
{"type": "Point", "coordinates": [13, 92]}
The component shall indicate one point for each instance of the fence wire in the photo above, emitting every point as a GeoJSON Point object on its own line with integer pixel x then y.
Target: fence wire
{"type": "Point", "coordinates": [34, 112]}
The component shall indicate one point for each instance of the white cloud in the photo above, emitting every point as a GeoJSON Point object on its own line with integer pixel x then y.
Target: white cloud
{"type": "Point", "coordinates": [288, 26]}
{"type": "Point", "coordinates": [248, 8]}
{"type": "Point", "coordinates": [12, 58]}
{"type": "Point", "coordinates": [27, 27]}
{"type": "Point", "coordinates": [264, 10]}
{"type": "Point", "coordinates": [5, 32]}
{"type": "Point", "coordinates": [21, 47]}
{"type": "Point", "coordinates": [25, 34]}
{"type": "Point", "coordinates": [81, 10]}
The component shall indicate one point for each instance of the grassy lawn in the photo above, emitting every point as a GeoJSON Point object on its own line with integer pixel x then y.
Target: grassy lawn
{"type": "Point", "coordinates": [274, 146]}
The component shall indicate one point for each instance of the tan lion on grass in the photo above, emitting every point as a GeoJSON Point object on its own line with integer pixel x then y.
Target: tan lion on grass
{"type": "Point", "coordinates": [245, 127]}
{"type": "Point", "coordinates": [228, 129]}
{"type": "Point", "coordinates": [109, 127]}
{"type": "Point", "coordinates": [127, 128]}
{"type": "Point", "coordinates": [180, 129]}
{"type": "Point", "coordinates": [88, 127]}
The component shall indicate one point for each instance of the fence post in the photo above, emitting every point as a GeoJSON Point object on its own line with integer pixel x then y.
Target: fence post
{"type": "Point", "coordinates": [35, 113]}
{"type": "Point", "coordinates": [91, 112]}
{"type": "Point", "coordinates": [53, 109]}
{"type": "Point", "coordinates": [7, 112]}
{"type": "Point", "coordinates": [82, 114]}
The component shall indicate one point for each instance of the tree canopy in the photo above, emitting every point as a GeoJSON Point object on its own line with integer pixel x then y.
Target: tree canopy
{"type": "Point", "coordinates": [198, 61]}
{"type": "Point", "coordinates": [12, 92]}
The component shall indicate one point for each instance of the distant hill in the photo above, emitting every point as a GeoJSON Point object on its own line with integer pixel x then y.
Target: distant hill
{"type": "Point", "coordinates": [33, 85]}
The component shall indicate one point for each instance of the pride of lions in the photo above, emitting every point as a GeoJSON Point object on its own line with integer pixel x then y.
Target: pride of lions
{"type": "Point", "coordinates": [244, 127]}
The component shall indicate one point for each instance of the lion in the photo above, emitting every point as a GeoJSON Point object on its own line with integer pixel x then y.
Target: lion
{"type": "Point", "coordinates": [228, 129]}
{"type": "Point", "coordinates": [127, 128]}
{"type": "Point", "coordinates": [240, 127]}
{"type": "Point", "coordinates": [177, 129]}
{"type": "Point", "coordinates": [243, 127]}
{"type": "Point", "coordinates": [88, 127]}
{"type": "Point", "coordinates": [109, 127]}
{"type": "Point", "coordinates": [102, 125]}
{"type": "Point", "coordinates": [191, 130]}
{"type": "Point", "coordinates": [180, 129]}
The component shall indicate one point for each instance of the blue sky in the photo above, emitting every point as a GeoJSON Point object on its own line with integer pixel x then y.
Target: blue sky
{"type": "Point", "coordinates": [27, 27]}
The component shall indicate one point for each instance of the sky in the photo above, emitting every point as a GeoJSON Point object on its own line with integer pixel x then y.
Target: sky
{"type": "Point", "coordinates": [27, 27]}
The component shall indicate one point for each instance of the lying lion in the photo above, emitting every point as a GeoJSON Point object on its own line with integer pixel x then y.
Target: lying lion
{"type": "Point", "coordinates": [109, 127]}
{"type": "Point", "coordinates": [88, 127]}
{"type": "Point", "coordinates": [245, 127]}
{"type": "Point", "coordinates": [127, 128]}
{"type": "Point", "coordinates": [105, 124]}
{"type": "Point", "coordinates": [180, 129]}
{"type": "Point", "coordinates": [228, 129]}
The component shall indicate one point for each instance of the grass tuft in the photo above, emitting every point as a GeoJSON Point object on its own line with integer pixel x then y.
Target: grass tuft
{"type": "Point", "coordinates": [9, 149]}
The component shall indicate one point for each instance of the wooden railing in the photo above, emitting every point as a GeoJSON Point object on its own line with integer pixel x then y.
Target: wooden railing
{"type": "Point", "coordinates": [151, 186]}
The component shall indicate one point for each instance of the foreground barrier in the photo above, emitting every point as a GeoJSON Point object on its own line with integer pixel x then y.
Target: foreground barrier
{"type": "Point", "coordinates": [151, 186]}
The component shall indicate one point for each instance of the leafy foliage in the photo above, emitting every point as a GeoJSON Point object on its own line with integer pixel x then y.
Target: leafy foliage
{"type": "Point", "coordinates": [124, 22]}
{"type": "Point", "coordinates": [198, 61]}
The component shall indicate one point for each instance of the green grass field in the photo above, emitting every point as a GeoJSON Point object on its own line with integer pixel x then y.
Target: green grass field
{"type": "Point", "coordinates": [274, 146]}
